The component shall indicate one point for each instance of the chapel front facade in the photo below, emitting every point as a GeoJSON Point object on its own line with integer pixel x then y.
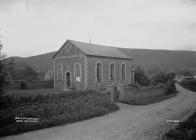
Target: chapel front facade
{"type": "Point", "coordinates": [83, 66]}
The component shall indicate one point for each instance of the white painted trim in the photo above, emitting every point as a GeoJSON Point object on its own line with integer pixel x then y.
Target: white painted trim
{"type": "Point", "coordinates": [110, 71]}
{"type": "Point", "coordinates": [132, 72]}
{"type": "Point", "coordinates": [61, 72]}
{"type": "Point", "coordinates": [133, 77]}
{"type": "Point", "coordinates": [54, 74]}
{"type": "Point", "coordinates": [121, 71]}
{"type": "Point", "coordinates": [85, 72]}
{"type": "Point", "coordinates": [96, 71]}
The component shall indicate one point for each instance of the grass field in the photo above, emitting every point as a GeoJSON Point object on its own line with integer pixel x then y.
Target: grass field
{"type": "Point", "coordinates": [51, 109]}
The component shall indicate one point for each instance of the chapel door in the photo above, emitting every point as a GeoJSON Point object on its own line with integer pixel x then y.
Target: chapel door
{"type": "Point", "coordinates": [68, 80]}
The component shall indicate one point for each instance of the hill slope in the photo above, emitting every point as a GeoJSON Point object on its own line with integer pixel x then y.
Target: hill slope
{"type": "Point", "coordinates": [148, 59]}
{"type": "Point", "coordinates": [163, 59]}
{"type": "Point", "coordinates": [41, 62]}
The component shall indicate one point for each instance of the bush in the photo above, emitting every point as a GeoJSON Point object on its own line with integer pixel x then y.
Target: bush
{"type": "Point", "coordinates": [23, 85]}
{"type": "Point", "coordinates": [170, 87]}
{"type": "Point", "coordinates": [25, 73]}
{"type": "Point", "coordinates": [159, 78]}
{"type": "Point", "coordinates": [189, 84]}
{"type": "Point", "coordinates": [53, 109]}
{"type": "Point", "coordinates": [166, 79]}
{"type": "Point", "coordinates": [184, 131]}
{"type": "Point", "coordinates": [4, 102]}
{"type": "Point", "coordinates": [162, 78]}
{"type": "Point", "coordinates": [141, 78]}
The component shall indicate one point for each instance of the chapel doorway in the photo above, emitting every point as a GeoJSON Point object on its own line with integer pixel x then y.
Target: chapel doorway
{"type": "Point", "coordinates": [68, 80]}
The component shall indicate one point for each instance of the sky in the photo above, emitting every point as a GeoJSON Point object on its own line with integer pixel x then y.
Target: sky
{"type": "Point", "coordinates": [33, 27]}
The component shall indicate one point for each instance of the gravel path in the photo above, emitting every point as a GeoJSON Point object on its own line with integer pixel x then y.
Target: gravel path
{"type": "Point", "coordinates": [129, 123]}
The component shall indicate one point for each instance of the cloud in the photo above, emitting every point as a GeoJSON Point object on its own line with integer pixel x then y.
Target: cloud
{"type": "Point", "coordinates": [153, 24]}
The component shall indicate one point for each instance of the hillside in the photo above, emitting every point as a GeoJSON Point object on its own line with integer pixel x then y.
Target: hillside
{"type": "Point", "coordinates": [41, 62]}
{"type": "Point", "coordinates": [163, 59]}
{"type": "Point", "coordinates": [167, 60]}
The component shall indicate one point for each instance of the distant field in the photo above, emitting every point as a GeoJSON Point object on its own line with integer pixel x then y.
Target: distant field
{"type": "Point", "coordinates": [189, 84]}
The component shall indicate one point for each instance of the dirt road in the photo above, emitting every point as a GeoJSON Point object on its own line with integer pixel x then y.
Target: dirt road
{"type": "Point", "coordinates": [129, 123]}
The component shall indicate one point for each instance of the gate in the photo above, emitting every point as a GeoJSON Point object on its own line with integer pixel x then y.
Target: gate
{"type": "Point", "coordinates": [116, 92]}
{"type": "Point", "coordinates": [116, 95]}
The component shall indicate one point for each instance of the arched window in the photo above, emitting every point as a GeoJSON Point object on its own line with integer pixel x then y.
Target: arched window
{"type": "Point", "coordinates": [77, 70]}
{"type": "Point", "coordinates": [123, 71]}
{"type": "Point", "coordinates": [60, 72]}
{"type": "Point", "coordinates": [99, 72]}
{"type": "Point", "coordinates": [112, 72]}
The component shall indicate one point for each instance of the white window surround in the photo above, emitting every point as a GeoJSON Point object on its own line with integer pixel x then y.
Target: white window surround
{"type": "Point", "coordinates": [122, 71]}
{"type": "Point", "coordinates": [60, 71]}
{"type": "Point", "coordinates": [54, 74]}
{"type": "Point", "coordinates": [98, 62]}
{"type": "Point", "coordinates": [110, 72]}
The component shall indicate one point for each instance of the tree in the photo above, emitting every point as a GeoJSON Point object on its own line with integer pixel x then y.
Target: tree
{"type": "Point", "coordinates": [141, 77]}
{"type": "Point", "coordinates": [153, 71]}
{"type": "Point", "coordinates": [162, 78]}
{"type": "Point", "coordinates": [186, 73]}
{"type": "Point", "coordinates": [29, 73]}
{"type": "Point", "coordinates": [3, 73]}
{"type": "Point", "coordinates": [167, 79]}
{"type": "Point", "coordinates": [26, 72]}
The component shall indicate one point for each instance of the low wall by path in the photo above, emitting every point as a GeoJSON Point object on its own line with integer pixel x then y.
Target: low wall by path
{"type": "Point", "coordinates": [134, 93]}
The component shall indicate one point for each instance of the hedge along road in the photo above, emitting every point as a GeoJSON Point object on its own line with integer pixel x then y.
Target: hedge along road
{"type": "Point", "coordinates": [129, 123]}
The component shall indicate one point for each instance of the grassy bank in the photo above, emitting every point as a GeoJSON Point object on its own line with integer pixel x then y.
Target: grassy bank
{"type": "Point", "coordinates": [185, 131]}
{"type": "Point", "coordinates": [189, 84]}
{"type": "Point", "coordinates": [52, 110]}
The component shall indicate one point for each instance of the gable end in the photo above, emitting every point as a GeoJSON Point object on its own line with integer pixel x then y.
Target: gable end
{"type": "Point", "coordinates": [70, 49]}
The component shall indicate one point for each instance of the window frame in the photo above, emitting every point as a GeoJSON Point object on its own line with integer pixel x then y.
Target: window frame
{"type": "Point", "coordinates": [101, 72]}
{"type": "Point", "coordinates": [80, 71]}
{"type": "Point", "coordinates": [110, 78]}
{"type": "Point", "coordinates": [123, 73]}
{"type": "Point", "coordinates": [60, 78]}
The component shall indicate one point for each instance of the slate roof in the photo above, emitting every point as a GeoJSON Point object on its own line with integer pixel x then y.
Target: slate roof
{"type": "Point", "coordinates": [99, 50]}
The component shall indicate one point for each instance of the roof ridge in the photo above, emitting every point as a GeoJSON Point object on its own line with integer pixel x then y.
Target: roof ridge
{"type": "Point", "coordinates": [98, 50]}
{"type": "Point", "coordinates": [94, 44]}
